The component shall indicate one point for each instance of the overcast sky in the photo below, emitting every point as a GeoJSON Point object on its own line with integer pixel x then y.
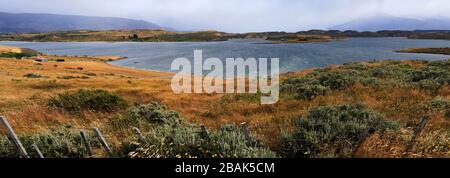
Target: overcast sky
{"type": "Point", "coordinates": [237, 15]}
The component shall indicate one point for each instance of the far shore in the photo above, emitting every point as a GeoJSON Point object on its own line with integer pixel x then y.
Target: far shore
{"type": "Point", "coordinates": [147, 35]}
{"type": "Point", "coordinates": [444, 51]}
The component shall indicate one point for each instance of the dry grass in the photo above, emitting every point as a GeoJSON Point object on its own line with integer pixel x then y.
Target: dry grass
{"type": "Point", "coordinates": [22, 100]}
{"type": "Point", "coordinates": [13, 49]}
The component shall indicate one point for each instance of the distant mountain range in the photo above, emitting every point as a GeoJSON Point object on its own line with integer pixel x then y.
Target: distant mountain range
{"type": "Point", "coordinates": [386, 22]}
{"type": "Point", "coordinates": [28, 22]}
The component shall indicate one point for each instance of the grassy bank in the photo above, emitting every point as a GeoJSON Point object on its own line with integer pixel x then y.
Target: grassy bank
{"type": "Point", "coordinates": [365, 109]}
{"type": "Point", "coordinates": [445, 51]}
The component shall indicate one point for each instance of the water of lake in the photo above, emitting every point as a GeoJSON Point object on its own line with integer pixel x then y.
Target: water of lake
{"type": "Point", "coordinates": [158, 56]}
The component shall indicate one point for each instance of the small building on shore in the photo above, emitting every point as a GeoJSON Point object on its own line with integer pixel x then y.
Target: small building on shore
{"type": "Point", "coordinates": [40, 58]}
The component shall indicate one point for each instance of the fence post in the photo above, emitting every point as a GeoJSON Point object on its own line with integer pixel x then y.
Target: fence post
{"type": "Point", "coordinates": [423, 123]}
{"type": "Point", "coordinates": [13, 137]}
{"type": "Point", "coordinates": [204, 132]}
{"type": "Point", "coordinates": [245, 131]}
{"type": "Point", "coordinates": [86, 142]}
{"type": "Point", "coordinates": [38, 151]}
{"type": "Point", "coordinates": [103, 141]}
{"type": "Point", "coordinates": [138, 133]}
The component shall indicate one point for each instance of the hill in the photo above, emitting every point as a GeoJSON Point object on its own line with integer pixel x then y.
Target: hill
{"type": "Point", "coordinates": [28, 22]}
{"type": "Point", "coordinates": [386, 22]}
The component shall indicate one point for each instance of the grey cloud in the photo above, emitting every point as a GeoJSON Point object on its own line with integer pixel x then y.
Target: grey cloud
{"type": "Point", "coordinates": [237, 15]}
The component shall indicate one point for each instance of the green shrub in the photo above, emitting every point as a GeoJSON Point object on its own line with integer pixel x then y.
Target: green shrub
{"type": "Point", "coordinates": [94, 100]}
{"type": "Point", "coordinates": [432, 77]}
{"type": "Point", "coordinates": [332, 131]}
{"type": "Point", "coordinates": [338, 80]}
{"type": "Point", "coordinates": [440, 64]}
{"type": "Point", "coordinates": [439, 75]}
{"type": "Point", "coordinates": [370, 81]}
{"type": "Point", "coordinates": [318, 83]}
{"type": "Point", "coordinates": [91, 74]}
{"type": "Point", "coordinates": [355, 66]}
{"type": "Point", "coordinates": [32, 75]}
{"type": "Point", "coordinates": [167, 141]}
{"type": "Point", "coordinates": [73, 77]}
{"type": "Point", "coordinates": [152, 113]}
{"type": "Point", "coordinates": [437, 103]}
{"type": "Point", "coordinates": [15, 55]}
{"type": "Point", "coordinates": [305, 91]}
{"type": "Point", "coordinates": [63, 143]}
{"type": "Point", "coordinates": [392, 72]}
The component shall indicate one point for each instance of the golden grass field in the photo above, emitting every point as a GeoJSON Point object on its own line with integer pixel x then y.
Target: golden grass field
{"type": "Point", "coordinates": [13, 49]}
{"type": "Point", "coordinates": [23, 101]}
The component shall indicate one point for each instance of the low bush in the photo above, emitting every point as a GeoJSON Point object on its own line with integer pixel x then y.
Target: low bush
{"type": "Point", "coordinates": [33, 75]}
{"type": "Point", "coordinates": [73, 77]}
{"type": "Point", "coordinates": [338, 80]}
{"type": "Point", "coordinates": [431, 76]}
{"type": "Point", "coordinates": [93, 100]}
{"type": "Point", "coordinates": [15, 55]}
{"type": "Point", "coordinates": [152, 113]}
{"type": "Point", "coordinates": [333, 131]}
{"type": "Point", "coordinates": [437, 103]}
{"type": "Point", "coordinates": [167, 135]}
{"type": "Point", "coordinates": [167, 141]}
{"type": "Point", "coordinates": [304, 90]}
{"type": "Point", "coordinates": [318, 83]}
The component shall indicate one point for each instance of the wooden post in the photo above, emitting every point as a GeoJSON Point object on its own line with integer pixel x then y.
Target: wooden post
{"type": "Point", "coordinates": [204, 132]}
{"type": "Point", "coordinates": [86, 142]}
{"type": "Point", "coordinates": [423, 123]}
{"type": "Point", "coordinates": [103, 141]}
{"type": "Point", "coordinates": [38, 151]}
{"type": "Point", "coordinates": [13, 137]}
{"type": "Point", "coordinates": [245, 131]}
{"type": "Point", "coordinates": [139, 135]}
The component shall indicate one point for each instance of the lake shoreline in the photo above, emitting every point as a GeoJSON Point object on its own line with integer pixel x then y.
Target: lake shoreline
{"type": "Point", "coordinates": [293, 56]}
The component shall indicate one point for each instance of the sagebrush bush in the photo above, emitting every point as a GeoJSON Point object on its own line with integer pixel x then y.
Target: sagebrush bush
{"type": "Point", "coordinates": [437, 103]}
{"type": "Point", "coordinates": [185, 141]}
{"type": "Point", "coordinates": [318, 83]}
{"type": "Point", "coordinates": [93, 100]}
{"type": "Point", "coordinates": [61, 143]}
{"type": "Point", "coordinates": [33, 75]}
{"type": "Point", "coordinates": [333, 131]}
{"type": "Point", "coordinates": [338, 80]}
{"type": "Point", "coordinates": [169, 136]}
{"type": "Point", "coordinates": [145, 114]}
{"type": "Point", "coordinates": [431, 77]}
